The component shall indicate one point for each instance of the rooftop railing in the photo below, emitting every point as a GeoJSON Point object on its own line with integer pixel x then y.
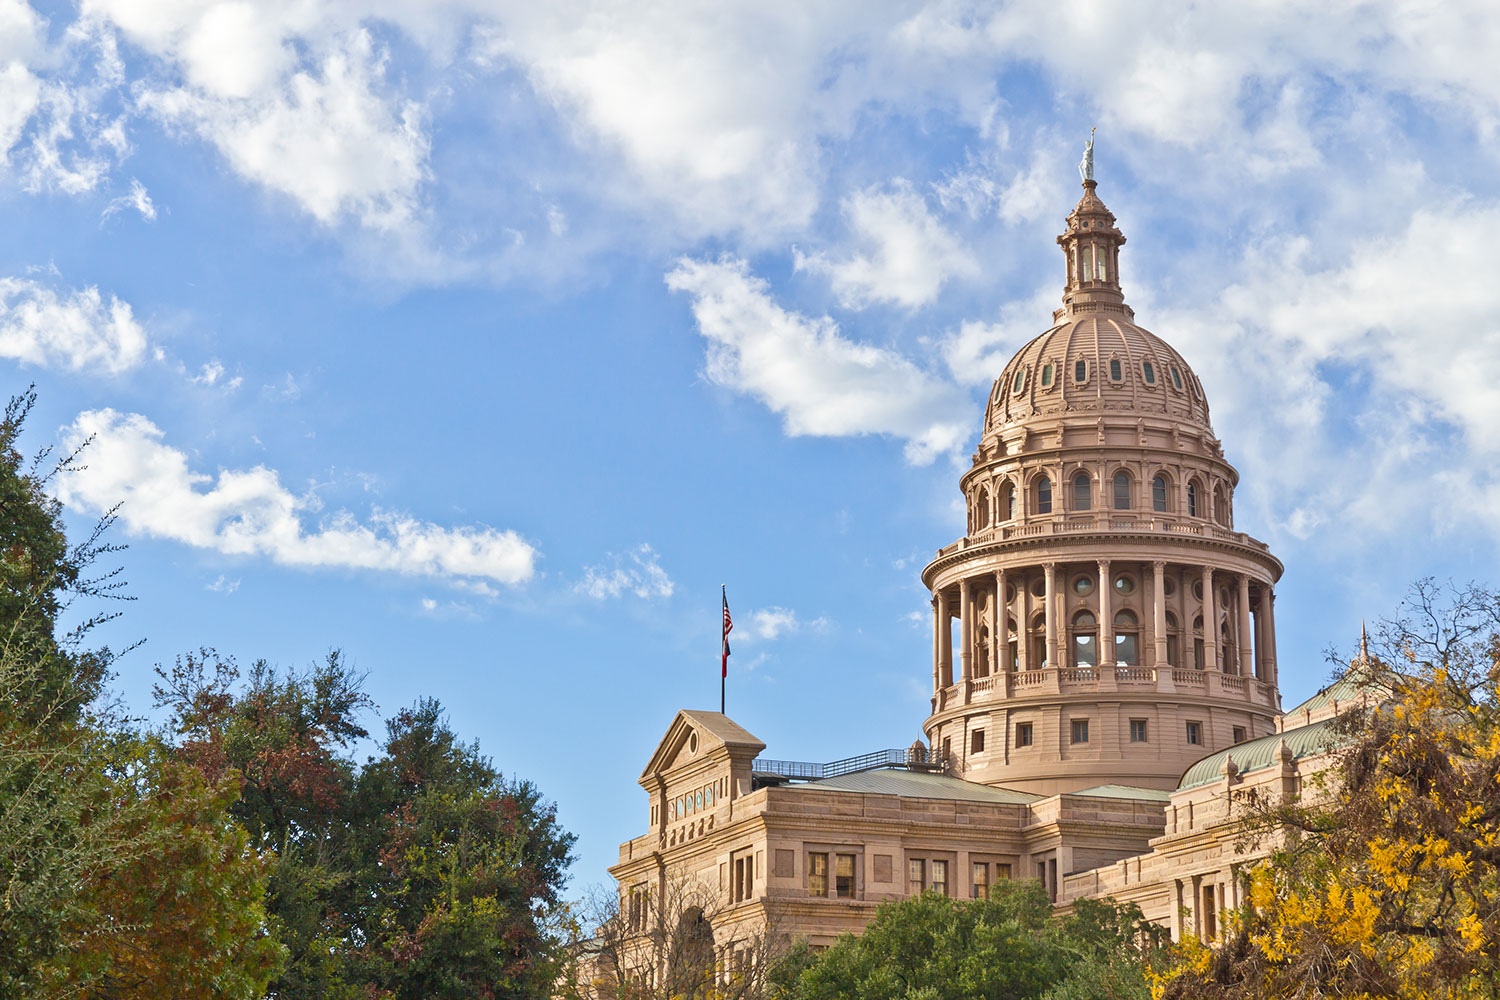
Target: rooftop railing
{"type": "Point", "coordinates": [801, 770]}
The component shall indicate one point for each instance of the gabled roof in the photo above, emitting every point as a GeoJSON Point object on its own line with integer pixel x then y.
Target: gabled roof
{"type": "Point", "coordinates": [915, 785]}
{"type": "Point", "coordinates": [713, 729]}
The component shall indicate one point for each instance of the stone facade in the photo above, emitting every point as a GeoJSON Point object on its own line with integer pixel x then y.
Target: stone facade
{"type": "Point", "coordinates": [1114, 688]}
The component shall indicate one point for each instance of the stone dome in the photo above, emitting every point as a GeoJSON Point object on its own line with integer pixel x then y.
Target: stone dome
{"type": "Point", "coordinates": [1100, 362]}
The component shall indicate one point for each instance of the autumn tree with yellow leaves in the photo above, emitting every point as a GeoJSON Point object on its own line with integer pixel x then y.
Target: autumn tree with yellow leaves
{"type": "Point", "coordinates": [1386, 878]}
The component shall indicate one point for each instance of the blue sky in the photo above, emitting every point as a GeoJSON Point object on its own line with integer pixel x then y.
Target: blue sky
{"type": "Point", "coordinates": [485, 340]}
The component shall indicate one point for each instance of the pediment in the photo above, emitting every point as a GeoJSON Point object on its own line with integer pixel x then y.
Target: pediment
{"type": "Point", "coordinates": [693, 734]}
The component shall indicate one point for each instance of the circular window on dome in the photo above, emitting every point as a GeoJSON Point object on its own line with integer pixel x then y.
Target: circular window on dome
{"type": "Point", "coordinates": [1080, 372]}
{"type": "Point", "coordinates": [1083, 585]}
{"type": "Point", "coordinates": [1168, 586]}
{"type": "Point", "coordinates": [1039, 588]}
{"type": "Point", "coordinates": [1148, 373]}
{"type": "Point", "coordinates": [1010, 593]}
{"type": "Point", "coordinates": [1047, 376]}
{"type": "Point", "coordinates": [1019, 382]}
{"type": "Point", "coordinates": [1124, 584]}
{"type": "Point", "coordinates": [1198, 589]}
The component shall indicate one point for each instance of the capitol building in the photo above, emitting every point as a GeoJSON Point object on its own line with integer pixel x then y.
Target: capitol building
{"type": "Point", "coordinates": [1104, 676]}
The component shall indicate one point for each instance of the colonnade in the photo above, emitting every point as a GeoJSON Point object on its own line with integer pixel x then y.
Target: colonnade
{"type": "Point", "coordinates": [1252, 634]}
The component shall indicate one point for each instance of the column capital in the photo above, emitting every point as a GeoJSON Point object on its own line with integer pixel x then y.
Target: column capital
{"type": "Point", "coordinates": [1103, 565]}
{"type": "Point", "coordinates": [1159, 565]}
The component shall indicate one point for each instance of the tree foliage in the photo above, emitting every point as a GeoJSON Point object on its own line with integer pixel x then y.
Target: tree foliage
{"type": "Point", "coordinates": [1387, 880]}
{"type": "Point", "coordinates": [1006, 947]}
{"type": "Point", "coordinates": [422, 874]}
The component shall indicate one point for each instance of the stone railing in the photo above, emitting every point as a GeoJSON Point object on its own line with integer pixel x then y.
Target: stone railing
{"type": "Point", "coordinates": [1110, 677]}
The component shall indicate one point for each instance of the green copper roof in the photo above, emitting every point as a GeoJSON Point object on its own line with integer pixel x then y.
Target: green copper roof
{"type": "Point", "coordinates": [1125, 792]}
{"type": "Point", "coordinates": [1343, 689]}
{"type": "Point", "coordinates": [916, 785]}
{"type": "Point", "coordinates": [1255, 754]}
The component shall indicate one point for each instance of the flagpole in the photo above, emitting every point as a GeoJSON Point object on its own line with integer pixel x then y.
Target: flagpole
{"type": "Point", "coordinates": [723, 644]}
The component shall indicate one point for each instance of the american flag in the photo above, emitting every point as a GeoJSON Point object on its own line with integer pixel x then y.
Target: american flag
{"type": "Point", "coordinates": [728, 627]}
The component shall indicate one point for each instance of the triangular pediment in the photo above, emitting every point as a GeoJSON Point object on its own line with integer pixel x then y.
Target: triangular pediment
{"type": "Point", "coordinates": [712, 731]}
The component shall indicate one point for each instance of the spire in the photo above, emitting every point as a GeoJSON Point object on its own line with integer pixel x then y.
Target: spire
{"type": "Point", "coordinates": [1091, 247]}
{"type": "Point", "coordinates": [1364, 643]}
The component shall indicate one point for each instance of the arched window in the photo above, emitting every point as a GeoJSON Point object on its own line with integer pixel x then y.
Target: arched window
{"type": "Point", "coordinates": [1008, 502]}
{"type": "Point", "coordinates": [1198, 655]}
{"type": "Point", "coordinates": [1221, 506]}
{"type": "Point", "coordinates": [982, 509]}
{"type": "Point", "coordinates": [1085, 640]}
{"type": "Point", "coordinates": [1082, 494]}
{"type": "Point", "coordinates": [1043, 495]}
{"type": "Point", "coordinates": [1122, 491]}
{"type": "Point", "coordinates": [1012, 646]}
{"type": "Point", "coordinates": [1159, 494]}
{"type": "Point", "coordinates": [1192, 499]}
{"type": "Point", "coordinates": [1127, 639]}
{"type": "Point", "coordinates": [982, 668]}
{"type": "Point", "coordinates": [1174, 641]}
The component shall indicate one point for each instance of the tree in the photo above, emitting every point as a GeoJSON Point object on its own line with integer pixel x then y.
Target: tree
{"type": "Point", "coordinates": [1386, 882]}
{"type": "Point", "coordinates": [679, 941]}
{"type": "Point", "coordinates": [422, 874]}
{"type": "Point", "coordinates": [120, 876]}
{"type": "Point", "coordinates": [1006, 947]}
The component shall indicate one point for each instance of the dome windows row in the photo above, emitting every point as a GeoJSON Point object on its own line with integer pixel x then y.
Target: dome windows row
{"type": "Point", "coordinates": [1049, 376]}
{"type": "Point", "coordinates": [1120, 493]}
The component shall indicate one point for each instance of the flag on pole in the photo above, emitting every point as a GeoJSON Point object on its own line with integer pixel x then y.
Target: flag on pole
{"type": "Point", "coordinates": [728, 627]}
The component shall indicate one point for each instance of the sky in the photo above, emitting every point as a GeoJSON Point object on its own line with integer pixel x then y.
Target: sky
{"type": "Point", "coordinates": [486, 340]}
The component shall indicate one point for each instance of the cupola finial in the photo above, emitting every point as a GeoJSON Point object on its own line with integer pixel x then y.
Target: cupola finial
{"type": "Point", "coordinates": [1086, 165]}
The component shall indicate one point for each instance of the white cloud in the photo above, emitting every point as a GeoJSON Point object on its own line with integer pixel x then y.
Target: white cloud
{"type": "Point", "coordinates": [639, 574]}
{"type": "Point", "coordinates": [901, 254]}
{"type": "Point", "coordinates": [224, 585]}
{"type": "Point", "coordinates": [772, 623]}
{"type": "Point", "coordinates": [75, 330]}
{"type": "Point", "coordinates": [250, 513]}
{"type": "Point", "coordinates": [325, 137]}
{"type": "Point", "coordinates": [1348, 388]}
{"type": "Point", "coordinates": [137, 198]}
{"type": "Point", "coordinates": [804, 369]}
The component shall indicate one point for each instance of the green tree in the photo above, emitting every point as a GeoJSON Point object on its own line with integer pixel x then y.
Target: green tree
{"type": "Point", "coordinates": [120, 876]}
{"type": "Point", "coordinates": [422, 874]}
{"type": "Point", "coordinates": [1007, 947]}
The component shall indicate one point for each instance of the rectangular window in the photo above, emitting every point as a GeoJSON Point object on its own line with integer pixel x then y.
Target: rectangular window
{"type": "Point", "coordinates": [1172, 652]}
{"type": "Point", "coordinates": [1116, 373]}
{"type": "Point", "coordinates": [981, 880]}
{"type": "Point", "coordinates": [1138, 730]}
{"type": "Point", "coordinates": [843, 876]}
{"type": "Point", "coordinates": [1023, 734]}
{"type": "Point", "coordinates": [976, 741]}
{"type": "Point", "coordinates": [817, 874]}
{"type": "Point", "coordinates": [1046, 376]}
{"type": "Point", "coordinates": [1080, 730]}
{"type": "Point", "coordinates": [1194, 733]}
{"type": "Point", "coordinates": [916, 876]}
{"type": "Point", "coordinates": [947, 747]}
{"type": "Point", "coordinates": [940, 877]}
{"type": "Point", "coordinates": [1239, 734]}
{"type": "Point", "coordinates": [1198, 653]}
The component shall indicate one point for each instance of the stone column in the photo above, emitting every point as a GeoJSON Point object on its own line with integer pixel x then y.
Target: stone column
{"type": "Point", "coordinates": [1000, 628]}
{"type": "Point", "coordinates": [1106, 621]}
{"type": "Point", "coordinates": [1269, 657]}
{"type": "Point", "coordinates": [1023, 643]}
{"type": "Point", "coordinates": [1210, 622]}
{"type": "Point", "coordinates": [1246, 669]}
{"type": "Point", "coordinates": [1159, 612]}
{"type": "Point", "coordinates": [945, 642]}
{"type": "Point", "coordinates": [1050, 644]}
{"type": "Point", "coordinates": [965, 629]}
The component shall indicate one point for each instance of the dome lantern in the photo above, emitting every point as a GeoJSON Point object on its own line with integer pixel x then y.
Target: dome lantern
{"type": "Point", "coordinates": [1091, 247]}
